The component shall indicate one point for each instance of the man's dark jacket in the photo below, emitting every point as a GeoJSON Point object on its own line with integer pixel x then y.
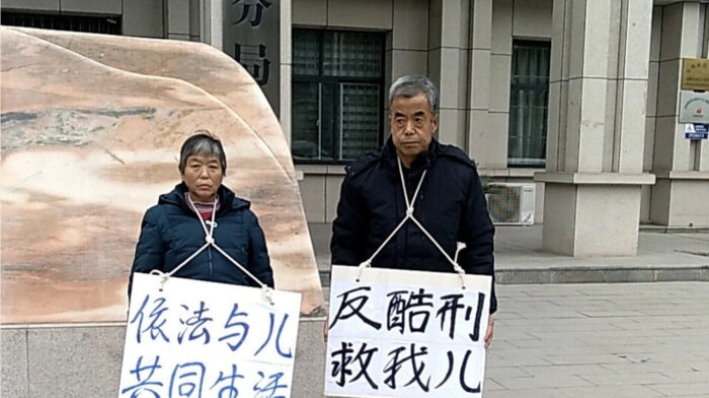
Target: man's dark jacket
{"type": "Point", "coordinates": [171, 232]}
{"type": "Point", "coordinates": [450, 205]}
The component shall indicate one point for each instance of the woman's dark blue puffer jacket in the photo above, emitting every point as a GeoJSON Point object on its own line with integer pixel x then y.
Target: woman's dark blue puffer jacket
{"type": "Point", "coordinates": [171, 232]}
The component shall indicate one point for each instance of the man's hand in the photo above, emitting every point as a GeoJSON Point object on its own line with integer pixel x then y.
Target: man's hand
{"type": "Point", "coordinates": [488, 334]}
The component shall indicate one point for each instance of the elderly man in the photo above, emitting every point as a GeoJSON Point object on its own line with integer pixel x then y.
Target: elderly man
{"type": "Point", "coordinates": [441, 183]}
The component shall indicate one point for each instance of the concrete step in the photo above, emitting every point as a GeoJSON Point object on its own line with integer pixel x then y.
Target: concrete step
{"type": "Point", "coordinates": [610, 274]}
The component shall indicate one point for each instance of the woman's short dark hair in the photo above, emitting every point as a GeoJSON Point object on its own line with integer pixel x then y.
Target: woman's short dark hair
{"type": "Point", "coordinates": [202, 143]}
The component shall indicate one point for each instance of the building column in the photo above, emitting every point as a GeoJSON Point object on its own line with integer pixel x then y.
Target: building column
{"type": "Point", "coordinates": [679, 199]}
{"type": "Point", "coordinates": [183, 20]}
{"type": "Point", "coordinates": [285, 68]}
{"type": "Point", "coordinates": [480, 72]}
{"type": "Point", "coordinates": [211, 26]}
{"type": "Point", "coordinates": [459, 49]}
{"type": "Point", "coordinates": [598, 86]}
{"type": "Point", "coordinates": [447, 66]}
{"type": "Point", "coordinates": [407, 45]}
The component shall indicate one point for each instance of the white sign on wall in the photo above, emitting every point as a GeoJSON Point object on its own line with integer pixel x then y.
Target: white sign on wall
{"type": "Point", "coordinates": [693, 107]}
{"type": "Point", "coordinates": [202, 339]}
{"type": "Point", "coordinates": [398, 333]}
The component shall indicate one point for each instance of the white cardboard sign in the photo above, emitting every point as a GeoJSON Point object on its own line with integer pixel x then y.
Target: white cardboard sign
{"type": "Point", "coordinates": [398, 333]}
{"type": "Point", "coordinates": [205, 339]}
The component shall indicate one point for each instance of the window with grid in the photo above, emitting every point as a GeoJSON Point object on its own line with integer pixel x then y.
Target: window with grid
{"type": "Point", "coordinates": [76, 23]}
{"type": "Point", "coordinates": [337, 94]}
{"type": "Point", "coordinates": [529, 97]}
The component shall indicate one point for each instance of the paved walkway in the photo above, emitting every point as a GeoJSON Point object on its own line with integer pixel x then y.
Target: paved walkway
{"type": "Point", "coordinates": [601, 340]}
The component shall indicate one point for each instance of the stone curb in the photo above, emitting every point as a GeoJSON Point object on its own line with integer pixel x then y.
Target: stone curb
{"type": "Point", "coordinates": [512, 276]}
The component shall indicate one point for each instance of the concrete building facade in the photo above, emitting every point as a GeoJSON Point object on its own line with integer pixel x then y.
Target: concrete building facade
{"type": "Point", "coordinates": [579, 98]}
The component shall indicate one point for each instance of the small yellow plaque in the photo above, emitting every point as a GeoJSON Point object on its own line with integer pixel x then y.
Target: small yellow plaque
{"type": "Point", "coordinates": [695, 74]}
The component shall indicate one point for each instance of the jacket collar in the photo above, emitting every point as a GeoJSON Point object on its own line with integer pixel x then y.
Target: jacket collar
{"type": "Point", "coordinates": [227, 198]}
{"type": "Point", "coordinates": [423, 161]}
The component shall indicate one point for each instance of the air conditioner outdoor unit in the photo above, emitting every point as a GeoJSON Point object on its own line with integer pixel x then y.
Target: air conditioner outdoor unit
{"type": "Point", "coordinates": [511, 203]}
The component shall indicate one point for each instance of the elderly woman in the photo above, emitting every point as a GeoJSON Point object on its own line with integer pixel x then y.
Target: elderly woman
{"type": "Point", "coordinates": [201, 210]}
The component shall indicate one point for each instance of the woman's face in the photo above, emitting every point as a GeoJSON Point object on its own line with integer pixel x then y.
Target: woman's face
{"type": "Point", "coordinates": [203, 176]}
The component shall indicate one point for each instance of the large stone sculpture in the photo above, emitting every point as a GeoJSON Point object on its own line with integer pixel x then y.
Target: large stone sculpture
{"type": "Point", "coordinates": [91, 129]}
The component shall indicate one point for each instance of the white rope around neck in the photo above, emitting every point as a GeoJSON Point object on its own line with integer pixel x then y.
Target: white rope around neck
{"type": "Point", "coordinates": [410, 216]}
{"type": "Point", "coordinates": [209, 241]}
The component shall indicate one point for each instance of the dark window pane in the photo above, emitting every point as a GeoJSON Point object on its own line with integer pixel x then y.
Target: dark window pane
{"type": "Point", "coordinates": [306, 52]}
{"type": "Point", "coordinates": [360, 119]}
{"type": "Point", "coordinates": [352, 54]}
{"type": "Point", "coordinates": [337, 85]}
{"type": "Point", "coordinates": [306, 132]}
{"type": "Point", "coordinates": [330, 121]}
{"type": "Point", "coordinates": [529, 95]}
{"type": "Point", "coordinates": [106, 25]}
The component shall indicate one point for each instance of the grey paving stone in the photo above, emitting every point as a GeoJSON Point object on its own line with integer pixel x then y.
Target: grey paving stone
{"type": "Point", "coordinates": [544, 324]}
{"type": "Point", "coordinates": [527, 383]}
{"type": "Point", "coordinates": [570, 370]}
{"type": "Point", "coordinates": [686, 377]}
{"type": "Point", "coordinates": [682, 389]}
{"type": "Point", "coordinates": [491, 385]}
{"type": "Point", "coordinates": [627, 380]}
{"type": "Point", "coordinates": [507, 371]}
{"type": "Point", "coordinates": [649, 367]}
{"type": "Point", "coordinates": [75, 362]}
{"type": "Point", "coordinates": [632, 348]}
{"type": "Point", "coordinates": [583, 392]}
{"type": "Point", "coordinates": [309, 371]}
{"type": "Point", "coordinates": [629, 335]}
{"type": "Point", "coordinates": [645, 324]}
{"type": "Point", "coordinates": [689, 332]}
{"type": "Point", "coordinates": [14, 368]}
{"type": "Point", "coordinates": [503, 345]}
{"type": "Point", "coordinates": [571, 327]}
{"type": "Point", "coordinates": [577, 359]}
{"type": "Point", "coordinates": [510, 359]}
{"type": "Point", "coordinates": [612, 313]}
{"type": "Point", "coordinates": [688, 320]}
{"type": "Point", "coordinates": [547, 344]}
{"type": "Point", "coordinates": [507, 315]}
{"type": "Point", "coordinates": [512, 335]}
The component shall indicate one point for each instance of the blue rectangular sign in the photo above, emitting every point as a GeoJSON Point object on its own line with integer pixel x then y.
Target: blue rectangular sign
{"type": "Point", "coordinates": [696, 136]}
{"type": "Point", "coordinates": [696, 131]}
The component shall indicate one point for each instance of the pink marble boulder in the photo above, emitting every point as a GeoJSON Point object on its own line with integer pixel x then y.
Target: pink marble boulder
{"type": "Point", "coordinates": [91, 129]}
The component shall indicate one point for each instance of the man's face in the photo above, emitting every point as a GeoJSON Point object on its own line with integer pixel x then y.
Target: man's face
{"type": "Point", "coordinates": [412, 126]}
{"type": "Point", "coordinates": [203, 176]}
